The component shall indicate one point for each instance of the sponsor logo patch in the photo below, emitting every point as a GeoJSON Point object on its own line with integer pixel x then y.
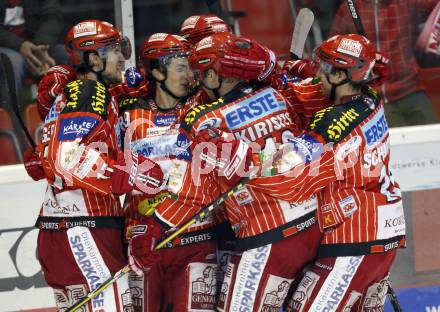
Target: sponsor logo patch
{"type": "Point", "coordinates": [203, 285]}
{"type": "Point", "coordinates": [348, 206]}
{"type": "Point", "coordinates": [249, 110]}
{"type": "Point", "coordinates": [243, 197]}
{"type": "Point", "coordinates": [274, 294]}
{"type": "Point", "coordinates": [391, 221]}
{"type": "Point", "coordinates": [75, 127]}
{"type": "Point", "coordinates": [84, 29]}
{"type": "Point", "coordinates": [350, 47]}
{"type": "Point", "coordinates": [376, 129]}
{"type": "Point", "coordinates": [336, 284]}
{"type": "Point", "coordinates": [165, 120]}
{"type": "Point", "coordinates": [249, 273]}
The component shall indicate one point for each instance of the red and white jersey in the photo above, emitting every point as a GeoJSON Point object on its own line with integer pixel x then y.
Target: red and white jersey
{"type": "Point", "coordinates": [343, 157]}
{"type": "Point", "coordinates": [78, 146]}
{"type": "Point", "coordinates": [151, 132]}
{"type": "Point", "coordinates": [259, 117]}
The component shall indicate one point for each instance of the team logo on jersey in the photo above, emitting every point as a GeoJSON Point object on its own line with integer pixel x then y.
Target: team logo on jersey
{"type": "Point", "coordinates": [251, 109]}
{"type": "Point", "coordinates": [75, 127]}
{"type": "Point", "coordinates": [165, 120]}
{"type": "Point", "coordinates": [348, 206]}
{"type": "Point", "coordinates": [376, 129]}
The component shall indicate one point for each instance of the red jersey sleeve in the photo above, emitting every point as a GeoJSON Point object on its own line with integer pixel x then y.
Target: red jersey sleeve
{"type": "Point", "coordinates": [318, 157]}
{"type": "Point", "coordinates": [83, 142]}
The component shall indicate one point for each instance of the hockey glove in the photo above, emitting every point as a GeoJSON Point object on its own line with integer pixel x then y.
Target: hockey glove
{"type": "Point", "coordinates": [247, 60]}
{"type": "Point", "coordinates": [380, 70]}
{"type": "Point", "coordinates": [135, 172]}
{"type": "Point", "coordinates": [299, 68]}
{"type": "Point", "coordinates": [230, 157]}
{"type": "Point", "coordinates": [141, 253]}
{"type": "Point", "coordinates": [52, 85]}
{"type": "Point", "coordinates": [32, 164]}
{"type": "Point", "coordinates": [133, 77]}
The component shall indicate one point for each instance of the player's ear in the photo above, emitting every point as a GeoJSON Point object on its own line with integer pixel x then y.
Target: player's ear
{"type": "Point", "coordinates": [211, 75]}
{"type": "Point", "coordinates": [95, 61]}
{"type": "Point", "coordinates": [340, 75]}
{"type": "Point", "coordinates": [157, 74]}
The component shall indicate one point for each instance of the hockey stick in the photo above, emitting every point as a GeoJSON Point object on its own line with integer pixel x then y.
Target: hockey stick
{"type": "Point", "coordinates": [393, 299]}
{"type": "Point", "coordinates": [100, 289]}
{"type": "Point", "coordinates": [178, 230]}
{"type": "Point", "coordinates": [303, 24]}
{"type": "Point", "coordinates": [203, 212]}
{"type": "Point", "coordinates": [356, 17]}
{"type": "Point", "coordinates": [9, 71]}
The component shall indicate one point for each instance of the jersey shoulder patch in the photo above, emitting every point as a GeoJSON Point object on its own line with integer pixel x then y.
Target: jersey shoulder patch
{"type": "Point", "coordinates": [334, 123]}
{"type": "Point", "coordinates": [87, 96]}
{"type": "Point", "coordinates": [133, 103]}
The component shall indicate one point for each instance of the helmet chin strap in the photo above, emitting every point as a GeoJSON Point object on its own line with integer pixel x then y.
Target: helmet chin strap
{"type": "Point", "coordinates": [335, 85]}
{"type": "Point", "coordinates": [164, 87]}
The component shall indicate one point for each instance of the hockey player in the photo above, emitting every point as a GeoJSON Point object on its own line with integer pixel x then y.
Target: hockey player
{"type": "Point", "coordinates": [79, 243]}
{"type": "Point", "coordinates": [256, 115]}
{"type": "Point", "coordinates": [343, 157]}
{"type": "Point", "coordinates": [172, 278]}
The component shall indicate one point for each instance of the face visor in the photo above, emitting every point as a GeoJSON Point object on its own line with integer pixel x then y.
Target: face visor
{"type": "Point", "coordinates": [123, 46]}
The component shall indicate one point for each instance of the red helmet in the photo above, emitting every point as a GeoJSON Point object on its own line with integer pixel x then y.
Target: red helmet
{"type": "Point", "coordinates": [94, 36]}
{"type": "Point", "coordinates": [197, 27]}
{"type": "Point", "coordinates": [352, 52]}
{"type": "Point", "coordinates": [161, 47]}
{"type": "Point", "coordinates": [232, 56]}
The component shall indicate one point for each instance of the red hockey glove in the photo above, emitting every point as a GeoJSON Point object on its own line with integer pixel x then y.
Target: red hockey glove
{"type": "Point", "coordinates": [51, 85]}
{"type": "Point", "coordinates": [32, 164]}
{"type": "Point", "coordinates": [299, 68]}
{"type": "Point", "coordinates": [246, 59]}
{"type": "Point", "coordinates": [135, 172]}
{"type": "Point", "coordinates": [380, 70]}
{"type": "Point", "coordinates": [230, 157]}
{"type": "Point", "coordinates": [141, 253]}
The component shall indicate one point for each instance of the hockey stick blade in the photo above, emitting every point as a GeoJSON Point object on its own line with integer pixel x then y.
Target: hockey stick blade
{"type": "Point", "coordinates": [303, 23]}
